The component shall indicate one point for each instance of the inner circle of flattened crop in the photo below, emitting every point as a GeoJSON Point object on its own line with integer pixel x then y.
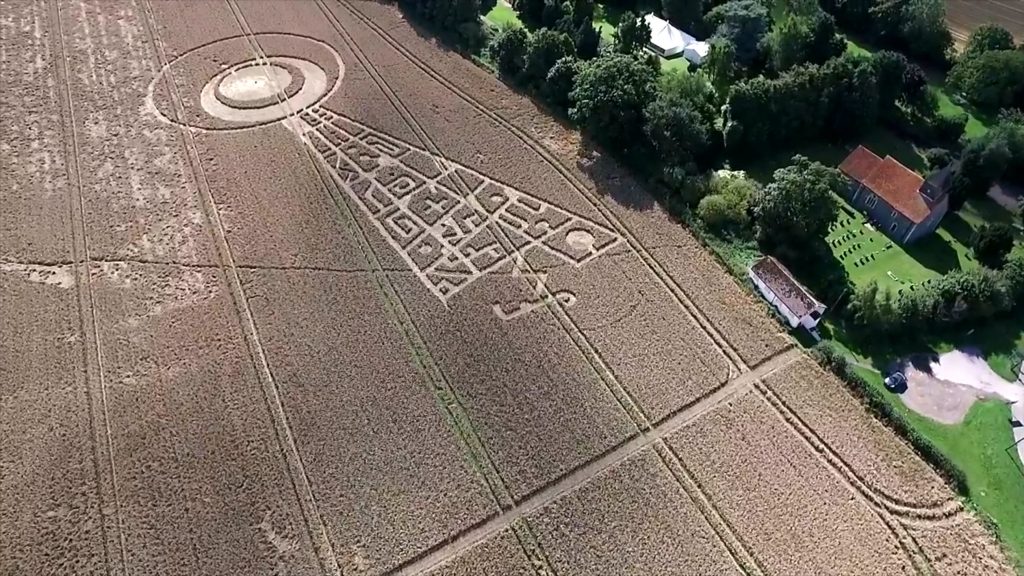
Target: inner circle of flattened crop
{"type": "Point", "coordinates": [259, 84]}
{"type": "Point", "coordinates": [255, 92]}
{"type": "Point", "coordinates": [267, 74]}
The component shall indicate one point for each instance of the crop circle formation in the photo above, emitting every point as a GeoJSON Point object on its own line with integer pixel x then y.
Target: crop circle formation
{"type": "Point", "coordinates": [248, 92]}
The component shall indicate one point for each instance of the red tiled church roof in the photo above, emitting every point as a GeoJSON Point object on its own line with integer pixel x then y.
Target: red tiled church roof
{"type": "Point", "coordinates": [898, 185]}
{"type": "Point", "coordinates": [860, 164]}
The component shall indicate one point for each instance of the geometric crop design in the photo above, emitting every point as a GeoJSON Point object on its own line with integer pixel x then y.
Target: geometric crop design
{"type": "Point", "coordinates": [440, 216]}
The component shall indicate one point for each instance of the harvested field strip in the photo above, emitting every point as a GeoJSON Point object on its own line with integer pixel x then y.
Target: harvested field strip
{"type": "Point", "coordinates": [625, 400]}
{"type": "Point", "coordinates": [798, 515]}
{"type": "Point", "coordinates": [879, 499]}
{"type": "Point", "coordinates": [891, 514]}
{"type": "Point", "coordinates": [448, 400]}
{"type": "Point", "coordinates": [286, 442]}
{"type": "Point", "coordinates": [652, 264]}
{"type": "Point", "coordinates": [724, 531]}
{"type": "Point", "coordinates": [735, 388]}
{"type": "Point", "coordinates": [890, 468]}
{"type": "Point", "coordinates": [106, 475]}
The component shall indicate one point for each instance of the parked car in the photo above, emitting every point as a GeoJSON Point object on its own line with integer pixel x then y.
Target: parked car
{"type": "Point", "coordinates": [895, 381]}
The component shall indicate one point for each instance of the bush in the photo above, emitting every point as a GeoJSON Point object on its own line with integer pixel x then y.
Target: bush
{"type": "Point", "coordinates": [560, 82]}
{"type": "Point", "coordinates": [543, 49]}
{"type": "Point", "coordinates": [946, 129]}
{"type": "Point", "coordinates": [508, 50]}
{"type": "Point", "coordinates": [992, 244]}
{"type": "Point", "coordinates": [937, 158]}
{"type": "Point", "coordinates": [832, 360]}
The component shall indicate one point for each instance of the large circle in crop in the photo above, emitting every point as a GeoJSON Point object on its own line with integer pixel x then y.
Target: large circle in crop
{"type": "Point", "coordinates": [226, 85]}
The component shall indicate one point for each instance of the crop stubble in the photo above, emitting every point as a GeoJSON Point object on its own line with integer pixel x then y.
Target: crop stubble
{"type": "Point", "coordinates": [34, 222]}
{"type": "Point", "coordinates": [501, 554]}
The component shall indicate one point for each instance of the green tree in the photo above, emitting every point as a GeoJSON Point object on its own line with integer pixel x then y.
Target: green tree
{"type": "Point", "coordinates": [992, 243]}
{"type": "Point", "coordinates": [553, 13]}
{"type": "Point", "coordinates": [582, 11]}
{"type": "Point", "coordinates": [800, 39]}
{"type": "Point", "coordinates": [530, 12]}
{"type": "Point", "coordinates": [508, 50]}
{"type": "Point", "coordinates": [798, 206]}
{"type": "Point", "coordinates": [684, 14]}
{"type": "Point", "coordinates": [543, 49]}
{"type": "Point", "coordinates": [632, 35]}
{"type": "Point", "coordinates": [986, 38]}
{"type": "Point", "coordinates": [610, 96]}
{"type": "Point", "coordinates": [900, 82]}
{"type": "Point", "coordinates": [852, 94]}
{"type": "Point", "coordinates": [982, 162]}
{"type": "Point", "coordinates": [916, 26]}
{"type": "Point", "coordinates": [720, 66]}
{"type": "Point", "coordinates": [991, 80]}
{"type": "Point", "coordinates": [587, 40]}
{"type": "Point", "coordinates": [727, 206]}
{"type": "Point", "coordinates": [1013, 274]}
{"type": "Point", "coordinates": [560, 81]}
{"type": "Point", "coordinates": [744, 23]}
{"type": "Point", "coordinates": [680, 123]}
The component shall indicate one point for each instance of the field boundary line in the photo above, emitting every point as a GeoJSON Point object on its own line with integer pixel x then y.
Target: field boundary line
{"type": "Point", "coordinates": [914, 553]}
{"type": "Point", "coordinates": [502, 494]}
{"type": "Point", "coordinates": [735, 388]}
{"type": "Point", "coordinates": [652, 264]}
{"type": "Point", "coordinates": [97, 393]}
{"type": "Point", "coordinates": [897, 507]}
{"type": "Point", "coordinates": [445, 397]}
{"type": "Point", "coordinates": [604, 372]}
{"type": "Point", "coordinates": [315, 526]}
{"type": "Point", "coordinates": [632, 408]}
{"type": "Point", "coordinates": [744, 559]}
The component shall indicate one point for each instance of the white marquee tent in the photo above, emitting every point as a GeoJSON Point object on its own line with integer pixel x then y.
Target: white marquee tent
{"type": "Point", "coordinates": [668, 41]}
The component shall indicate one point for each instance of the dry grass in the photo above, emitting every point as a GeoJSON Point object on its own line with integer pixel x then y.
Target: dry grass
{"type": "Point", "coordinates": [631, 520]}
{"type": "Point", "coordinates": [794, 514]}
{"type": "Point", "coordinates": [886, 463]}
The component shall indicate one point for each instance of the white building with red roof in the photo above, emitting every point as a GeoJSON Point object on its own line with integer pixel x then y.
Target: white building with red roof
{"type": "Point", "coordinates": [896, 199]}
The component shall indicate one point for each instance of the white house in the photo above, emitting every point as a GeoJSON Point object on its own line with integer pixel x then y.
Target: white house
{"type": "Point", "coordinates": [789, 297]}
{"type": "Point", "coordinates": [668, 41]}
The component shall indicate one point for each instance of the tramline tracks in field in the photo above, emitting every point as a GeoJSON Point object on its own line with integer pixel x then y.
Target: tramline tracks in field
{"type": "Point", "coordinates": [652, 264]}
{"type": "Point", "coordinates": [732, 543]}
{"type": "Point", "coordinates": [496, 482]}
{"type": "Point", "coordinates": [103, 448]}
{"type": "Point", "coordinates": [728, 350]}
{"type": "Point", "coordinates": [285, 439]}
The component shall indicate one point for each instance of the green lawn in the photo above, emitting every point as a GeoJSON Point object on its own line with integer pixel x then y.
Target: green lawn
{"type": "Point", "coordinates": [976, 123]}
{"type": "Point", "coordinates": [868, 254]}
{"type": "Point", "coordinates": [502, 14]}
{"type": "Point", "coordinates": [978, 446]}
